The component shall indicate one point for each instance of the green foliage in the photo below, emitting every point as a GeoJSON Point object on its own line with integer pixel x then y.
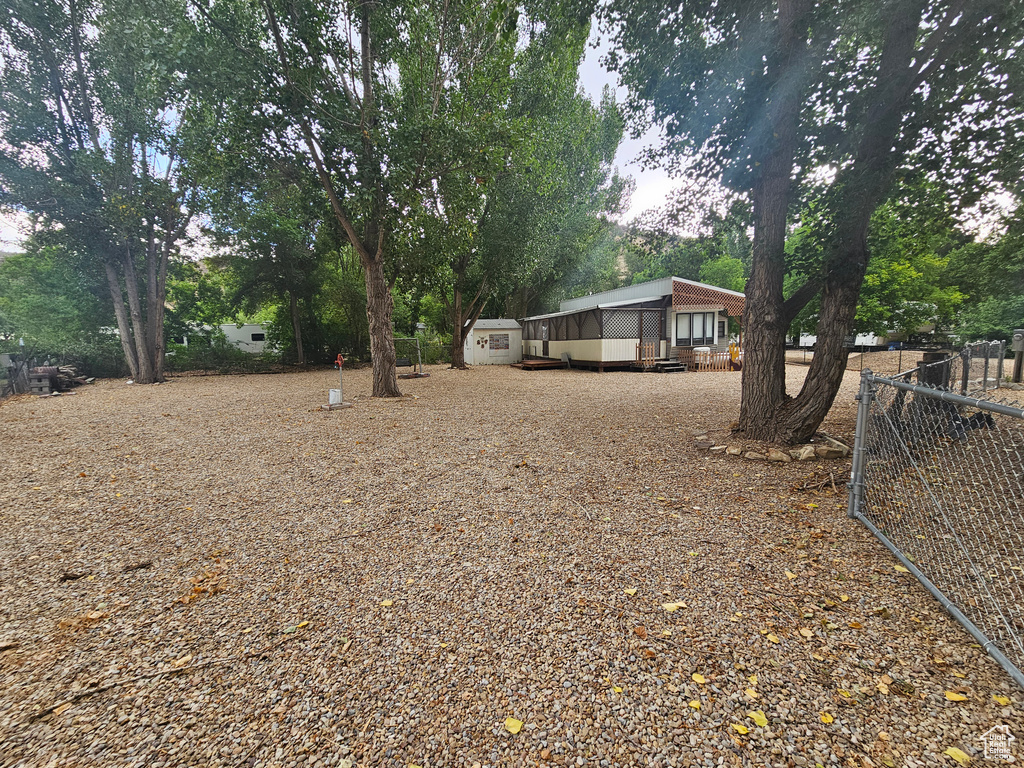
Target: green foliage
{"type": "Point", "coordinates": [905, 287]}
{"type": "Point", "coordinates": [725, 272]}
{"type": "Point", "coordinates": [214, 354]}
{"type": "Point", "coordinates": [991, 275]}
{"type": "Point", "coordinates": [57, 309]}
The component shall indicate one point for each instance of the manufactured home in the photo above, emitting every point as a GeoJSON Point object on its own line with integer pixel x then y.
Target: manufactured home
{"type": "Point", "coordinates": [657, 324]}
{"type": "Point", "coordinates": [494, 342]}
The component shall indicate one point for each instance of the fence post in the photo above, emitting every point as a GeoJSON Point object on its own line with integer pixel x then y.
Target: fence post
{"type": "Point", "coordinates": [856, 485]}
{"type": "Point", "coordinates": [999, 365]}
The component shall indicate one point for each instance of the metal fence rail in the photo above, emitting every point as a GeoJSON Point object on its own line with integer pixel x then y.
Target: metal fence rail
{"type": "Point", "coordinates": [938, 476]}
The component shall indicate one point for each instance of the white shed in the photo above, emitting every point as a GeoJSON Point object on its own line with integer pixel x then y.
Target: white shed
{"type": "Point", "coordinates": [494, 342]}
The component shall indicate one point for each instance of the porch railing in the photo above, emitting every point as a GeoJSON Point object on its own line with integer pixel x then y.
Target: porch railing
{"type": "Point", "coordinates": [647, 353]}
{"type": "Point", "coordinates": [712, 361]}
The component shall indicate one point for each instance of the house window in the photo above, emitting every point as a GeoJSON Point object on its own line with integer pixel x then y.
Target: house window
{"type": "Point", "coordinates": [259, 336]}
{"type": "Point", "coordinates": [695, 329]}
{"type": "Point", "coordinates": [721, 329]}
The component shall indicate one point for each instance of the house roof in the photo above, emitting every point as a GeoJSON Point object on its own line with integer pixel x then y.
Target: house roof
{"type": "Point", "coordinates": [683, 292]}
{"type": "Point", "coordinates": [610, 305]}
{"type": "Point", "coordinates": [500, 324]}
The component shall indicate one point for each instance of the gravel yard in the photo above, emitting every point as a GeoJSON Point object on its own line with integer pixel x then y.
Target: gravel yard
{"type": "Point", "coordinates": [215, 572]}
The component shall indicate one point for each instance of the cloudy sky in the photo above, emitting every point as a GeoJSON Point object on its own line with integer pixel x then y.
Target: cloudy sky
{"type": "Point", "coordinates": [652, 185]}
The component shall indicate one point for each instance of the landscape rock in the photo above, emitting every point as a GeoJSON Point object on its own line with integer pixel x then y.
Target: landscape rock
{"type": "Point", "coordinates": [803, 453]}
{"type": "Point", "coordinates": [828, 452]}
{"type": "Point", "coordinates": [734, 450]}
{"type": "Point", "coordinates": [837, 444]}
{"type": "Point", "coordinates": [754, 455]}
{"type": "Point", "coordinates": [774, 454]}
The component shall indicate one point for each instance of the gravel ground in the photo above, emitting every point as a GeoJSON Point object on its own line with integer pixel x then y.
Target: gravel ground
{"type": "Point", "coordinates": [215, 572]}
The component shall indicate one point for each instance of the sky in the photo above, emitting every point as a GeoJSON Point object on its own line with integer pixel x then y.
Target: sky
{"type": "Point", "coordinates": [653, 186]}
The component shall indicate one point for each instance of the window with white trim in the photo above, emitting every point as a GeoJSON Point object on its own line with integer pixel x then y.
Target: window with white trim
{"type": "Point", "coordinates": [695, 329]}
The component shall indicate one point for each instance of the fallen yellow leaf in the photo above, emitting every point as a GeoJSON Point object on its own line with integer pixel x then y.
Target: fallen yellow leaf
{"type": "Point", "coordinates": [826, 718]}
{"type": "Point", "coordinates": [1002, 700]}
{"type": "Point", "coordinates": [751, 693]}
{"type": "Point", "coordinates": [741, 729]}
{"type": "Point", "coordinates": [752, 679]}
{"type": "Point", "coordinates": [513, 726]}
{"type": "Point", "coordinates": [901, 569]}
{"type": "Point", "coordinates": [952, 696]}
{"type": "Point", "coordinates": [790, 575]}
{"type": "Point", "coordinates": [845, 598]}
{"type": "Point", "coordinates": [758, 717]}
{"type": "Point", "coordinates": [773, 639]}
{"type": "Point", "coordinates": [387, 603]}
{"type": "Point", "coordinates": [695, 704]}
{"type": "Point", "coordinates": [346, 501]}
{"type": "Point", "coordinates": [806, 632]}
{"type": "Point", "coordinates": [697, 677]}
{"type": "Point", "coordinates": [303, 624]}
{"type": "Point", "coordinates": [847, 694]}
{"type": "Point", "coordinates": [630, 592]}
{"type": "Point", "coordinates": [959, 755]}
{"type": "Point", "coordinates": [617, 689]}
{"type": "Point", "coordinates": [183, 660]}
{"type": "Point", "coordinates": [673, 607]}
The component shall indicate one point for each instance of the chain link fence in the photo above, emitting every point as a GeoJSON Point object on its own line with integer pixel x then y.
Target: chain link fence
{"type": "Point", "coordinates": [938, 477]}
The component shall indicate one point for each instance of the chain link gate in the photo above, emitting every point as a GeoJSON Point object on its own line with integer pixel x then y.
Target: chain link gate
{"type": "Point", "coordinates": [938, 477]}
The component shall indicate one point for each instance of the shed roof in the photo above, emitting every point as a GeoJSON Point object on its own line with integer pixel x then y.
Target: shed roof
{"type": "Point", "coordinates": [500, 324]}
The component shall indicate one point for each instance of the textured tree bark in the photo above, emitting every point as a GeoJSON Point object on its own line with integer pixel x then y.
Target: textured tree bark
{"type": "Point", "coordinates": [764, 357]}
{"type": "Point", "coordinates": [296, 328]}
{"type": "Point", "coordinates": [864, 185]}
{"type": "Point", "coordinates": [767, 412]}
{"type": "Point", "coordinates": [379, 308]}
{"type": "Point", "coordinates": [458, 351]}
{"type": "Point", "coordinates": [143, 354]}
{"type": "Point", "coordinates": [121, 314]}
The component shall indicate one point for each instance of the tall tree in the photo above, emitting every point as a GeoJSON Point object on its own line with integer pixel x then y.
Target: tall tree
{"type": "Point", "coordinates": [772, 95]}
{"type": "Point", "coordinates": [375, 94]}
{"type": "Point", "coordinates": [92, 144]}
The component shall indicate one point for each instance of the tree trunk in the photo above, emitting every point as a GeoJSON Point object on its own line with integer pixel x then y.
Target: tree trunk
{"type": "Point", "coordinates": [458, 332]}
{"type": "Point", "coordinates": [121, 313]}
{"type": "Point", "coordinates": [379, 307]}
{"type": "Point", "coordinates": [862, 185]}
{"type": "Point", "coordinates": [764, 355]}
{"type": "Point", "coordinates": [142, 351]}
{"type": "Point", "coordinates": [296, 328]}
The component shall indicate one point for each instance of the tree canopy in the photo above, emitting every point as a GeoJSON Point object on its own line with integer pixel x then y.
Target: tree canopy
{"type": "Point", "coordinates": [796, 101]}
